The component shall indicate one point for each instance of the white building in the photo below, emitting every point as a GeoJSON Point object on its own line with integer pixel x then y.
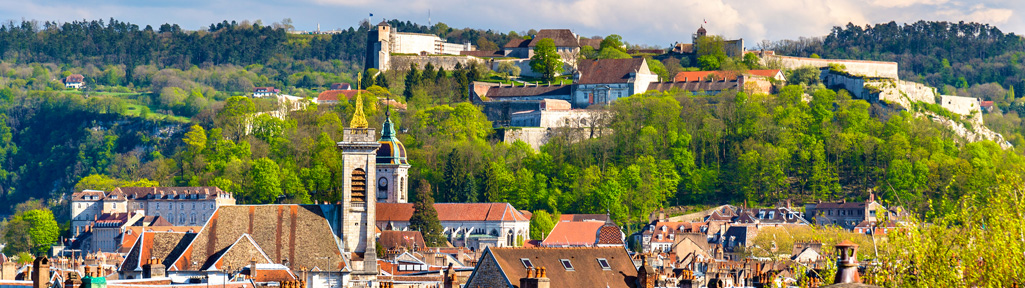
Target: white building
{"type": "Point", "coordinates": [474, 225]}
{"type": "Point", "coordinates": [383, 42]}
{"type": "Point", "coordinates": [605, 80]}
{"type": "Point", "coordinates": [182, 206]}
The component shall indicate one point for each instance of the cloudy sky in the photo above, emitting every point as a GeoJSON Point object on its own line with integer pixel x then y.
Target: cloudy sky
{"type": "Point", "coordinates": [653, 22]}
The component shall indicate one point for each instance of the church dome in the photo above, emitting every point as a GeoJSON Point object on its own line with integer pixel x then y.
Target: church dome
{"type": "Point", "coordinates": [702, 31]}
{"type": "Point", "coordinates": [391, 151]}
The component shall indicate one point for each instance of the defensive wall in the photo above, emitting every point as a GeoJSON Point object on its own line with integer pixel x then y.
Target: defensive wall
{"type": "Point", "coordinates": [401, 62]}
{"type": "Point", "coordinates": [874, 69]}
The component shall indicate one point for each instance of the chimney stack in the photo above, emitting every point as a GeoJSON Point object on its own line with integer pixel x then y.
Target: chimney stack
{"type": "Point", "coordinates": [646, 274]}
{"type": "Point", "coordinates": [847, 263]}
{"type": "Point", "coordinates": [41, 272]}
{"type": "Point", "coordinates": [73, 281]}
{"type": "Point", "coordinates": [536, 278]}
{"type": "Point", "coordinates": [153, 269]}
{"type": "Point", "coordinates": [451, 280]}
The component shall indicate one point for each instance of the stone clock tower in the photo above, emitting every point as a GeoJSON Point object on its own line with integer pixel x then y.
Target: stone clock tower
{"type": "Point", "coordinates": [359, 155]}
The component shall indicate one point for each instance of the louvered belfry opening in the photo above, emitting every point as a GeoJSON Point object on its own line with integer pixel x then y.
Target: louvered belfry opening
{"type": "Point", "coordinates": [359, 185]}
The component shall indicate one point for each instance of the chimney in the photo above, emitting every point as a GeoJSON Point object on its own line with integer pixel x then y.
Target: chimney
{"type": "Point", "coordinates": [451, 281]}
{"type": "Point", "coordinates": [646, 274]}
{"type": "Point", "coordinates": [153, 269]}
{"type": "Point", "coordinates": [847, 263]}
{"type": "Point", "coordinates": [41, 272]}
{"type": "Point", "coordinates": [687, 279]}
{"type": "Point", "coordinates": [73, 281]}
{"type": "Point", "coordinates": [536, 278]}
{"type": "Point", "coordinates": [252, 268]}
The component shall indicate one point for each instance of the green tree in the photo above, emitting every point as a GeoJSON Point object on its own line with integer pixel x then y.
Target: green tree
{"type": "Point", "coordinates": [265, 183]}
{"type": "Point", "coordinates": [613, 42]}
{"type": "Point", "coordinates": [235, 116]}
{"type": "Point", "coordinates": [425, 218]}
{"type": "Point", "coordinates": [541, 224]}
{"type": "Point", "coordinates": [33, 231]}
{"type": "Point", "coordinates": [546, 60]}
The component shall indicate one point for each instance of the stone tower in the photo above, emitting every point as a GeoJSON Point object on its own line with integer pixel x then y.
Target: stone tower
{"type": "Point", "coordinates": [392, 166]}
{"type": "Point", "coordinates": [379, 47]}
{"type": "Point", "coordinates": [359, 157]}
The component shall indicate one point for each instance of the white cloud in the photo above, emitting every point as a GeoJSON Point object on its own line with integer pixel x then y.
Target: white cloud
{"type": "Point", "coordinates": [905, 3]}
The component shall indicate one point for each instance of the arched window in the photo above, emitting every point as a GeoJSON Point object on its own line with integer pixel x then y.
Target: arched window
{"type": "Point", "coordinates": [359, 185]}
{"type": "Point", "coordinates": [382, 188]}
{"type": "Point", "coordinates": [181, 218]}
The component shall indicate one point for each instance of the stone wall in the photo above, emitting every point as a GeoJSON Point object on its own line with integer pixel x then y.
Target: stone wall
{"type": "Point", "coordinates": [401, 62]}
{"type": "Point", "coordinates": [488, 274]}
{"type": "Point", "coordinates": [961, 105]}
{"type": "Point", "coordinates": [855, 67]}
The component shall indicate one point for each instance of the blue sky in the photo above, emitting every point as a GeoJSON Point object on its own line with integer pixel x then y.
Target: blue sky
{"type": "Point", "coordinates": [653, 22]}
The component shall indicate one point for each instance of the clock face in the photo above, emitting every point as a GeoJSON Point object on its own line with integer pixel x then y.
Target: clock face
{"type": "Point", "coordinates": [382, 182]}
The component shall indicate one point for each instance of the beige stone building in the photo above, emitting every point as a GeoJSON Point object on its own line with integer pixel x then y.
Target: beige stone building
{"type": "Point", "coordinates": [181, 206]}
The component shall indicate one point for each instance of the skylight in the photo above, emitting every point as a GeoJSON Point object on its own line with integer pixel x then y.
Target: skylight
{"type": "Point", "coordinates": [526, 263]}
{"type": "Point", "coordinates": [604, 264]}
{"type": "Point", "coordinates": [566, 264]}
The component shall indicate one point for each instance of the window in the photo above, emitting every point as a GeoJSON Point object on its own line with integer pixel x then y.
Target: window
{"type": "Point", "coordinates": [566, 264]}
{"type": "Point", "coordinates": [359, 185]}
{"type": "Point", "coordinates": [526, 263]}
{"type": "Point", "coordinates": [115, 205]}
{"type": "Point", "coordinates": [604, 264]}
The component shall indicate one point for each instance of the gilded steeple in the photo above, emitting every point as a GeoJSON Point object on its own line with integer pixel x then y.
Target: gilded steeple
{"type": "Point", "coordinates": [359, 120]}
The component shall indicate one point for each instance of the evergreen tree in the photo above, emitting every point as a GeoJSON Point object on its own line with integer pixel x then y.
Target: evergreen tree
{"type": "Point", "coordinates": [469, 189]}
{"type": "Point", "coordinates": [441, 74]}
{"type": "Point", "coordinates": [412, 81]}
{"type": "Point", "coordinates": [429, 73]}
{"type": "Point", "coordinates": [450, 186]}
{"type": "Point", "coordinates": [382, 80]}
{"type": "Point", "coordinates": [367, 81]}
{"type": "Point", "coordinates": [425, 218]}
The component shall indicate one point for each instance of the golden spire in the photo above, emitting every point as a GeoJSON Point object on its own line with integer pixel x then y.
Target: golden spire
{"type": "Point", "coordinates": [359, 120]}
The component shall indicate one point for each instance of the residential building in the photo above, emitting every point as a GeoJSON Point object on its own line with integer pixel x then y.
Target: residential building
{"type": "Point", "coordinates": [474, 225]}
{"type": "Point", "coordinates": [557, 267]}
{"type": "Point", "coordinates": [603, 81]}
{"type": "Point", "coordinates": [567, 44]}
{"type": "Point", "coordinates": [847, 214]}
{"type": "Point", "coordinates": [76, 81]}
{"type": "Point", "coordinates": [333, 96]}
{"type": "Point", "coordinates": [182, 206]}
{"type": "Point", "coordinates": [265, 91]}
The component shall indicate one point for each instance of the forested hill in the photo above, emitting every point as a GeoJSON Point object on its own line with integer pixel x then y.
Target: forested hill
{"type": "Point", "coordinates": [936, 53]}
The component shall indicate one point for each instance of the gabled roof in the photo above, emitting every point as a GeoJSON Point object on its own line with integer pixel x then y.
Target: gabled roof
{"type": "Point", "coordinates": [298, 233]}
{"type": "Point", "coordinates": [561, 37]}
{"type": "Point", "coordinates": [132, 234]}
{"type": "Point", "coordinates": [74, 78]}
{"type": "Point", "coordinates": [164, 246]}
{"type": "Point", "coordinates": [573, 234]}
{"type": "Point", "coordinates": [397, 239]}
{"type": "Point", "coordinates": [401, 212]}
{"type": "Point", "coordinates": [239, 254]}
{"type": "Point", "coordinates": [608, 71]}
{"type": "Point", "coordinates": [93, 194]}
{"type": "Point", "coordinates": [594, 43]}
{"type": "Point", "coordinates": [587, 272]}
{"type": "Point", "coordinates": [517, 43]}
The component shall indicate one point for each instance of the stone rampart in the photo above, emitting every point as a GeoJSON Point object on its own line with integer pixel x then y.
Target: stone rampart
{"type": "Point", "coordinates": [401, 62]}
{"type": "Point", "coordinates": [874, 69]}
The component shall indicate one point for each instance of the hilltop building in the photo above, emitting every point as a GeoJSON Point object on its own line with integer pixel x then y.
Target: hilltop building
{"type": "Point", "coordinates": [76, 81]}
{"type": "Point", "coordinates": [382, 42]}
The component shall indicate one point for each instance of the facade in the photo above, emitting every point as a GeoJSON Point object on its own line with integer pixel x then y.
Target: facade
{"type": "Point", "coordinates": [382, 42]}
{"type": "Point", "coordinates": [847, 214]}
{"type": "Point", "coordinates": [265, 91]}
{"type": "Point", "coordinates": [599, 82]}
{"type": "Point", "coordinates": [76, 81]}
{"type": "Point", "coordinates": [474, 225]}
{"type": "Point", "coordinates": [181, 206]}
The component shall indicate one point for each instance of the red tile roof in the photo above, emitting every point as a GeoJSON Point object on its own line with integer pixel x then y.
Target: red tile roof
{"type": "Point", "coordinates": [583, 233]}
{"type": "Point", "coordinates": [607, 71]}
{"type": "Point", "coordinates": [401, 212]}
{"type": "Point", "coordinates": [587, 272]}
{"type": "Point", "coordinates": [594, 43]}
{"type": "Point", "coordinates": [401, 239]}
{"type": "Point", "coordinates": [609, 234]}
{"type": "Point", "coordinates": [132, 233]}
{"type": "Point", "coordinates": [694, 76]}
{"type": "Point", "coordinates": [483, 53]}
{"type": "Point", "coordinates": [74, 78]}
{"type": "Point", "coordinates": [583, 217]}
{"type": "Point", "coordinates": [334, 95]}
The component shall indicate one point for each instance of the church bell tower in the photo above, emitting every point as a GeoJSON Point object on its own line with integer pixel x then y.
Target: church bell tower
{"type": "Point", "coordinates": [359, 157]}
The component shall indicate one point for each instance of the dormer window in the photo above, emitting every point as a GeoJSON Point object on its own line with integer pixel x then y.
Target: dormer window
{"type": "Point", "coordinates": [526, 263]}
{"type": "Point", "coordinates": [566, 264]}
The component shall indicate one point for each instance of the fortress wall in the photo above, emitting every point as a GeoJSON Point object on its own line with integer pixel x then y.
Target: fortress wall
{"type": "Point", "coordinates": [401, 62]}
{"type": "Point", "coordinates": [856, 67]}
